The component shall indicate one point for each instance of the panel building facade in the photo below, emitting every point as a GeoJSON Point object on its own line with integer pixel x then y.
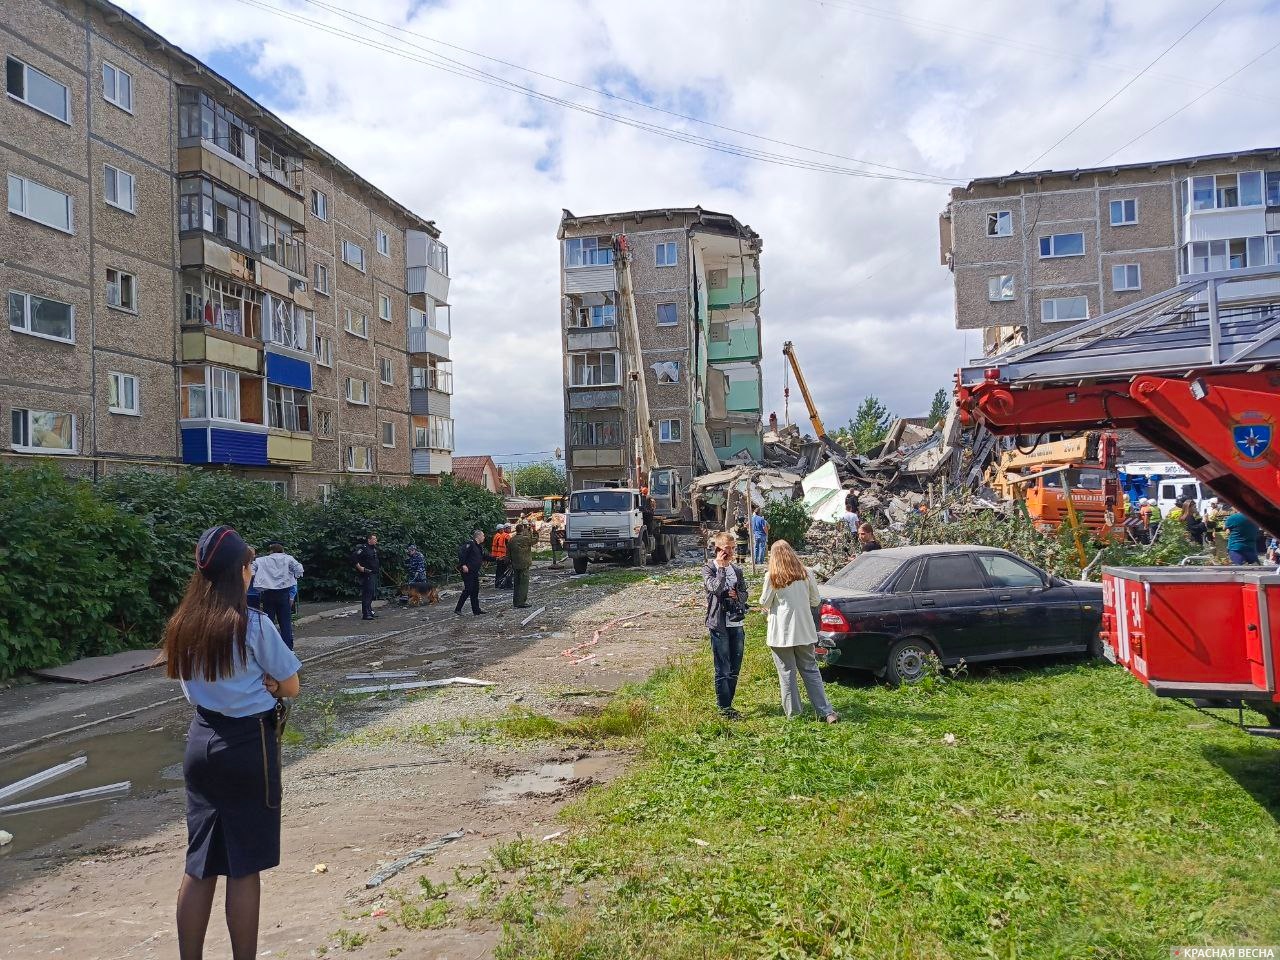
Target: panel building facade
{"type": "Point", "coordinates": [1032, 253]}
{"type": "Point", "coordinates": [189, 280]}
{"type": "Point", "coordinates": [695, 284]}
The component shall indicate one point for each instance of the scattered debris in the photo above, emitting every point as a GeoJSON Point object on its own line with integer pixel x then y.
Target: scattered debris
{"type": "Point", "coordinates": [320, 868]}
{"type": "Point", "coordinates": [526, 620]}
{"type": "Point", "coordinates": [595, 637]}
{"type": "Point", "coordinates": [701, 843]}
{"type": "Point", "coordinates": [410, 858]}
{"type": "Point", "coordinates": [66, 799]}
{"type": "Point", "coordinates": [949, 739]}
{"type": "Point", "coordinates": [5, 838]}
{"type": "Point", "coordinates": [43, 777]}
{"type": "Point", "coordinates": [383, 675]}
{"type": "Point", "coordinates": [551, 836]}
{"type": "Point", "coordinates": [418, 685]}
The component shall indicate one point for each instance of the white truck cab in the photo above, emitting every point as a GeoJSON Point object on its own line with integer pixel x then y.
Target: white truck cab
{"type": "Point", "coordinates": [605, 524]}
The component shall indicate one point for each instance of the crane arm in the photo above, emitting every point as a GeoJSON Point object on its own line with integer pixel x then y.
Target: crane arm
{"type": "Point", "coordinates": [646, 450]}
{"type": "Point", "coordinates": [789, 352]}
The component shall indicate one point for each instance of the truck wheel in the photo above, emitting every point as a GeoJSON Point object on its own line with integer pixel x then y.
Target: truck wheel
{"type": "Point", "coordinates": [908, 662]}
{"type": "Point", "coordinates": [671, 549]}
{"type": "Point", "coordinates": [579, 564]}
{"type": "Point", "coordinates": [637, 557]}
{"type": "Point", "coordinates": [659, 555]}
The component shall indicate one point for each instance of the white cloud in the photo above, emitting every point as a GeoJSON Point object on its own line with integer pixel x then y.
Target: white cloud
{"type": "Point", "coordinates": [850, 269]}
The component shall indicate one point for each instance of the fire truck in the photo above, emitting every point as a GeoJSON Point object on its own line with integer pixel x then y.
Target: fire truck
{"type": "Point", "coordinates": [1195, 370]}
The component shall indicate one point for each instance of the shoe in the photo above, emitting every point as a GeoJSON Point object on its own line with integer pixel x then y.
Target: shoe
{"type": "Point", "coordinates": [730, 714]}
{"type": "Point", "coordinates": [366, 616]}
{"type": "Point", "coordinates": [832, 718]}
{"type": "Point", "coordinates": [457, 613]}
{"type": "Point", "coordinates": [479, 613]}
{"type": "Point", "coordinates": [522, 606]}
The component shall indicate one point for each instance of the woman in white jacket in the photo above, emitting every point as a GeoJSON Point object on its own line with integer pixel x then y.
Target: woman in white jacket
{"type": "Point", "coordinates": [789, 596]}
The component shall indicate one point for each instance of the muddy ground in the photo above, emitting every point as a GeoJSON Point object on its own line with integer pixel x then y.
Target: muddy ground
{"type": "Point", "coordinates": [367, 780]}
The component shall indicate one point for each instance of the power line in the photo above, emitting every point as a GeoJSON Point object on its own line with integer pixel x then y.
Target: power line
{"type": "Point", "coordinates": [355, 17]}
{"type": "Point", "coordinates": [472, 73]}
{"type": "Point", "coordinates": [1128, 83]}
{"type": "Point", "coordinates": [1190, 103]}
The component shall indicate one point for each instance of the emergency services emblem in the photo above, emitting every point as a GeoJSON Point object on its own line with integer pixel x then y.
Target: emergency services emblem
{"type": "Point", "coordinates": [1252, 440]}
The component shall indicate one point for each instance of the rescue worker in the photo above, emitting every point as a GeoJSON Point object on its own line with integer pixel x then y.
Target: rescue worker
{"type": "Point", "coordinates": [471, 558]}
{"type": "Point", "coordinates": [742, 539]}
{"type": "Point", "coordinates": [415, 565]}
{"type": "Point", "coordinates": [499, 551]}
{"type": "Point", "coordinates": [520, 553]}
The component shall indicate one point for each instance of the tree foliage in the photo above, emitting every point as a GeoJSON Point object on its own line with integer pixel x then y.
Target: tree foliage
{"type": "Point", "coordinates": [867, 429]}
{"type": "Point", "coordinates": [939, 408]}
{"type": "Point", "coordinates": [788, 520]}
{"type": "Point", "coordinates": [544, 479]}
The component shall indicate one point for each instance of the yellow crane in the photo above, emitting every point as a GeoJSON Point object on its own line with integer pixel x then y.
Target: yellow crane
{"type": "Point", "coordinates": [789, 351]}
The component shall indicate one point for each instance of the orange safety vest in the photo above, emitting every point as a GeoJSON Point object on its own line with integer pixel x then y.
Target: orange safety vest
{"type": "Point", "coordinates": [500, 544]}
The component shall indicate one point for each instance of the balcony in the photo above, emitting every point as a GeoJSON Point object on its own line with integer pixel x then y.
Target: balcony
{"type": "Point", "coordinates": [739, 291]}
{"type": "Point", "coordinates": [288, 448]}
{"type": "Point", "coordinates": [592, 338]}
{"type": "Point", "coordinates": [429, 281]}
{"type": "Point", "coordinates": [580, 457]}
{"type": "Point", "coordinates": [597, 399]}
{"type": "Point", "coordinates": [742, 343]}
{"type": "Point", "coordinates": [424, 402]}
{"type": "Point", "coordinates": [743, 396]}
{"type": "Point", "coordinates": [430, 463]}
{"type": "Point", "coordinates": [426, 265]}
{"type": "Point", "coordinates": [209, 442]}
{"type": "Point", "coordinates": [428, 340]}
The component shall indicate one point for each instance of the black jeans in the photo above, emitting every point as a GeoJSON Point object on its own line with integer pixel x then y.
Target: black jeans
{"type": "Point", "coordinates": [726, 650]}
{"type": "Point", "coordinates": [500, 572]}
{"type": "Point", "coordinates": [368, 589]}
{"type": "Point", "coordinates": [470, 588]}
{"type": "Point", "coordinates": [278, 605]}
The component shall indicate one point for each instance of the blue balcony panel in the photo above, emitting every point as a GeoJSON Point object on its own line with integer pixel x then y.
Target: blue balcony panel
{"type": "Point", "coordinates": [288, 371]}
{"type": "Point", "coordinates": [221, 445]}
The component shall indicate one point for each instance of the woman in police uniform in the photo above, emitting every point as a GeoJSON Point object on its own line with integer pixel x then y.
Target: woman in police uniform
{"type": "Point", "coordinates": [234, 668]}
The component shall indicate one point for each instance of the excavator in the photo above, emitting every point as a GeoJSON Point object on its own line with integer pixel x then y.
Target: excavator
{"type": "Point", "coordinates": [1064, 481]}
{"type": "Point", "coordinates": [1195, 370]}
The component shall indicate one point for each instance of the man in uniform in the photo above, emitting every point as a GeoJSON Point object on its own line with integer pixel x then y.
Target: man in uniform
{"type": "Point", "coordinates": [520, 554]}
{"type": "Point", "coordinates": [368, 566]}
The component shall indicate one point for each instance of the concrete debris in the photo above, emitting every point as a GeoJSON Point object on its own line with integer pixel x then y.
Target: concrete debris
{"type": "Point", "coordinates": [410, 858]}
{"type": "Point", "coordinates": [320, 868]}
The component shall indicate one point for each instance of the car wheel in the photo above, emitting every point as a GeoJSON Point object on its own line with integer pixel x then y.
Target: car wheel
{"type": "Point", "coordinates": [908, 662]}
{"type": "Point", "coordinates": [579, 564]}
{"type": "Point", "coordinates": [1095, 647]}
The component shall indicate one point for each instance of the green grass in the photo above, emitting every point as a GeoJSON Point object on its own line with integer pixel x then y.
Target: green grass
{"type": "Point", "coordinates": [621, 577]}
{"type": "Point", "coordinates": [1076, 816]}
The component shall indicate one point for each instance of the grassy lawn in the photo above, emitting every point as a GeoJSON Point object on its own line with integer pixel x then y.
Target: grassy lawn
{"type": "Point", "coordinates": [1076, 815]}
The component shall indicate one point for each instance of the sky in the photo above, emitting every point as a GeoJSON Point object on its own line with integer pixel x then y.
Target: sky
{"type": "Point", "coordinates": [903, 99]}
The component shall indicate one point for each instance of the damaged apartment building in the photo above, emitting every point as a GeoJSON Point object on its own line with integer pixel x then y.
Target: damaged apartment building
{"type": "Point", "coordinates": [660, 329]}
{"type": "Point", "coordinates": [191, 281]}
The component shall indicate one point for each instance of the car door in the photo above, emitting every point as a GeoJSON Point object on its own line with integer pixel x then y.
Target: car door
{"type": "Point", "coordinates": [1038, 614]}
{"type": "Point", "coordinates": [955, 607]}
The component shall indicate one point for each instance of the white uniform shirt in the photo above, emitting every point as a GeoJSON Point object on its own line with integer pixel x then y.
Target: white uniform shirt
{"type": "Point", "coordinates": [276, 571]}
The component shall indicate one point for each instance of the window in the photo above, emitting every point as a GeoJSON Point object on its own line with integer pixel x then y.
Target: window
{"type": "Point", "coordinates": [666, 371]}
{"type": "Point", "coordinates": [437, 376]}
{"type": "Point", "coordinates": [665, 254]}
{"type": "Point", "coordinates": [1124, 212]}
{"type": "Point", "coordinates": [1000, 288]}
{"type": "Point", "coordinates": [324, 425]}
{"type": "Point", "coordinates": [588, 252]}
{"type": "Point", "coordinates": [1273, 189]}
{"type": "Point", "coordinates": [384, 244]}
{"type": "Point", "coordinates": [123, 394]}
{"type": "Point", "coordinates": [122, 290]}
{"type": "Point", "coordinates": [324, 351]}
{"type": "Point", "coordinates": [322, 279]}
{"type": "Point", "coordinates": [286, 323]}
{"type": "Point", "coordinates": [598, 315]}
{"type": "Point", "coordinates": [954, 571]}
{"type": "Point", "coordinates": [1062, 245]}
{"type": "Point", "coordinates": [1000, 223]}
{"type": "Point", "coordinates": [42, 204]}
{"type": "Point", "coordinates": [119, 188]}
{"type": "Point", "coordinates": [281, 242]}
{"type": "Point", "coordinates": [117, 87]}
{"type": "Point", "coordinates": [358, 391]}
{"type": "Point", "coordinates": [353, 254]}
{"type": "Point", "coordinates": [1126, 276]}
{"type": "Point", "coordinates": [388, 433]}
{"type": "Point", "coordinates": [360, 459]}
{"type": "Point", "coordinates": [224, 394]}
{"type": "Point", "coordinates": [667, 315]}
{"type": "Point", "coordinates": [37, 89]}
{"type": "Point", "coordinates": [1064, 308]}
{"type": "Point", "coordinates": [1205, 256]}
{"type": "Point", "coordinates": [1005, 571]}
{"type": "Point", "coordinates": [595, 433]}
{"type": "Point", "coordinates": [208, 207]}
{"type": "Point", "coordinates": [223, 303]}
{"type": "Point", "coordinates": [384, 306]}
{"type": "Point", "coordinates": [43, 431]}
{"type": "Point", "coordinates": [203, 119]}
{"type": "Point", "coordinates": [669, 431]}
{"type": "Point", "coordinates": [357, 323]}
{"type": "Point", "coordinates": [288, 409]}
{"type": "Point", "coordinates": [319, 205]}
{"type": "Point", "coordinates": [594, 369]}
{"type": "Point", "coordinates": [1225, 191]}
{"type": "Point", "coordinates": [435, 433]}
{"type": "Point", "coordinates": [385, 372]}
{"type": "Point", "coordinates": [41, 316]}
{"type": "Point", "coordinates": [324, 491]}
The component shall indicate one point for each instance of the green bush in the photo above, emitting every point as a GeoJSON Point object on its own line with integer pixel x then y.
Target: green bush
{"type": "Point", "coordinates": [788, 520]}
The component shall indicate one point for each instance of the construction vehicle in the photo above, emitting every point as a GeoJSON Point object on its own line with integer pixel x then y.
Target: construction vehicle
{"type": "Point", "coordinates": [1195, 370]}
{"type": "Point", "coordinates": [1054, 478]}
{"type": "Point", "coordinates": [831, 449]}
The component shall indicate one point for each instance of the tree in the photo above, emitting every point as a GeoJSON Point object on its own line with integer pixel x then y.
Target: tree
{"type": "Point", "coordinates": [939, 408]}
{"type": "Point", "coordinates": [867, 429]}
{"type": "Point", "coordinates": [544, 479]}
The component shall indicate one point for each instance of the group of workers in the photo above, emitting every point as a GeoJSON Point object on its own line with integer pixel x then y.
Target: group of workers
{"type": "Point", "coordinates": [1245, 541]}
{"type": "Point", "coordinates": [510, 551]}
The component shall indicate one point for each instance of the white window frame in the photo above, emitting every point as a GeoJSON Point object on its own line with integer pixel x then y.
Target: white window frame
{"type": "Point", "coordinates": [347, 244]}
{"type": "Point", "coordinates": [1123, 270]}
{"type": "Point", "coordinates": [1111, 211]}
{"type": "Point", "coordinates": [383, 243]}
{"type": "Point", "coordinates": [587, 252]}
{"type": "Point", "coordinates": [25, 183]}
{"type": "Point", "coordinates": [115, 290]}
{"type": "Point", "coordinates": [657, 314]}
{"type": "Point", "coordinates": [112, 94]}
{"type": "Point", "coordinates": [290, 401]}
{"type": "Point", "coordinates": [351, 459]}
{"type": "Point", "coordinates": [384, 307]}
{"type": "Point", "coordinates": [319, 205]}
{"type": "Point", "coordinates": [1052, 237]}
{"type": "Point", "coordinates": [322, 279]}
{"type": "Point", "coordinates": [659, 254]}
{"type": "Point", "coordinates": [26, 317]}
{"type": "Point", "coordinates": [26, 87]}
{"type": "Point", "coordinates": [363, 400]}
{"type": "Point", "coordinates": [386, 373]}
{"type": "Point", "coordinates": [107, 179]}
{"type": "Point", "coordinates": [324, 351]}
{"type": "Point", "coordinates": [999, 286]}
{"type": "Point", "coordinates": [382, 432]}
{"type": "Point", "coordinates": [668, 434]}
{"type": "Point", "coordinates": [324, 424]}
{"type": "Point", "coordinates": [323, 492]}
{"type": "Point", "coordinates": [997, 217]}
{"type": "Point", "coordinates": [26, 429]}
{"type": "Point", "coordinates": [1050, 306]}
{"type": "Point", "coordinates": [116, 384]}
{"type": "Point", "coordinates": [598, 354]}
{"type": "Point", "coordinates": [349, 317]}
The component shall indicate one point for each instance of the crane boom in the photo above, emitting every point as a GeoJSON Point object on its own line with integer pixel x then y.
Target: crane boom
{"type": "Point", "coordinates": [789, 351]}
{"type": "Point", "coordinates": [646, 453]}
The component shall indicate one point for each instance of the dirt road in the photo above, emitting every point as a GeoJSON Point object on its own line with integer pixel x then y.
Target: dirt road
{"type": "Point", "coordinates": [368, 779]}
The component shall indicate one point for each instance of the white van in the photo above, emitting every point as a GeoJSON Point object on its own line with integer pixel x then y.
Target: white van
{"type": "Point", "coordinates": [1172, 489]}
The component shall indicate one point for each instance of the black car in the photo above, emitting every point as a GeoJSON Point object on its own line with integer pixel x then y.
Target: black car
{"type": "Point", "coordinates": [887, 610]}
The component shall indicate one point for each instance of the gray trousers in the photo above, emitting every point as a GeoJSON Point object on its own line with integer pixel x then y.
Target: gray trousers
{"type": "Point", "coordinates": [793, 660]}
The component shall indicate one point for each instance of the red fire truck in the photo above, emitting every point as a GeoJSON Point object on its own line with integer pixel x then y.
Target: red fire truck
{"type": "Point", "coordinates": [1196, 371]}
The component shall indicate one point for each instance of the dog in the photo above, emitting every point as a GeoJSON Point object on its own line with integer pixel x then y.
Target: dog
{"type": "Point", "coordinates": [423, 593]}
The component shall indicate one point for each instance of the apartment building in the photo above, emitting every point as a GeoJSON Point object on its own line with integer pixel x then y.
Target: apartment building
{"type": "Point", "coordinates": [693, 279]}
{"type": "Point", "coordinates": [1034, 252]}
{"type": "Point", "coordinates": [192, 281]}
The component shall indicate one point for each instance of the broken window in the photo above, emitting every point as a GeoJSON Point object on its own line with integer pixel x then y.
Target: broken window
{"type": "Point", "coordinates": [319, 205]}
{"type": "Point", "coordinates": [287, 323]}
{"type": "Point", "coordinates": [360, 459]}
{"type": "Point", "coordinates": [276, 162]}
{"type": "Point", "coordinates": [288, 409]}
{"type": "Point", "coordinates": [324, 351]}
{"type": "Point", "coordinates": [595, 433]}
{"type": "Point", "coordinates": [588, 252]}
{"type": "Point", "coordinates": [1000, 223]}
{"type": "Point", "coordinates": [37, 89]}
{"type": "Point", "coordinates": [41, 316]}
{"type": "Point", "coordinates": [122, 290]}
{"type": "Point", "coordinates": [217, 301]}
{"type": "Point", "coordinates": [596, 315]}
{"type": "Point", "coordinates": [281, 242]}
{"type": "Point", "coordinates": [211, 208]}
{"type": "Point", "coordinates": [358, 391]}
{"type": "Point", "coordinates": [1000, 288]}
{"type": "Point", "coordinates": [667, 371]}
{"type": "Point", "coordinates": [432, 433]}
{"type": "Point", "coordinates": [388, 433]}
{"type": "Point", "coordinates": [385, 371]}
{"type": "Point", "coordinates": [668, 315]}
{"type": "Point", "coordinates": [594, 369]}
{"type": "Point", "coordinates": [353, 254]}
{"type": "Point", "coordinates": [43, 430]}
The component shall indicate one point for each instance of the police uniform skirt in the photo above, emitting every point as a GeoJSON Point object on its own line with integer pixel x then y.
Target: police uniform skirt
{"type": "Point", "coordinates": [232, 770]}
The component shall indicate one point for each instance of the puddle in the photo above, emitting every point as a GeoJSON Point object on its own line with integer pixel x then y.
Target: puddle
{"type": "Point", "coordinates": [548, 779]}
{"type": "Point", "coordinates": [151, 759]}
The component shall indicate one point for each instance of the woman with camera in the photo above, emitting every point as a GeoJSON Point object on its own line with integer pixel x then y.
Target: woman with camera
{"type": "Point", "coordinates": [726, 612]}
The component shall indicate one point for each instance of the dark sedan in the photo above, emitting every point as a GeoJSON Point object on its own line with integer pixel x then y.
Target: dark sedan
{"type": "Point", "coordinates": [887, 610]}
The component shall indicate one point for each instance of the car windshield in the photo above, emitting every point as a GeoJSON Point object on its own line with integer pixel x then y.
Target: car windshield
{"type": "Point", "coordinates": [600, 501]}
{"type": "Point", "coordinates": [866, 572]}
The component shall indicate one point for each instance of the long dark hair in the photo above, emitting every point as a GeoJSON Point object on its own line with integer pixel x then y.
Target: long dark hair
{"type": "Point", "coordinates": [205, 637]}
